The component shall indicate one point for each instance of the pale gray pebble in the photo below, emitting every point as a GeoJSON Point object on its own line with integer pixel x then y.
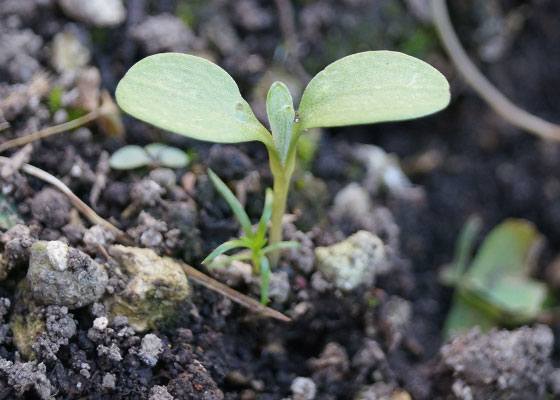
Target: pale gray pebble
{"type": "Point", "coordinates": [99, 13]}
{"type": "Point", "coordinates": [109, 381]}
{"type": "Point", "coordinates": [100, 323]}
{"type": "Point", "coordinates": [151, 348]}
{"type": "Point", "coordinates": [160, 393]}
{"type": "Point", "coordinates": [23, 376]}
{"type": "Point", "coordinates": [146, 193]}
{"type": "Point", "coordinates": [112, 352]}
{"type": "Point", "coordinates": [303, 388]}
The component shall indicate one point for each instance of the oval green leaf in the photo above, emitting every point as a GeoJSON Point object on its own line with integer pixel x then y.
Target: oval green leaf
{"type": "Point", "coordinates": [191, 96]}
{"type": "Point", "coordinates": [129, 157]}
{"type": "Point", "coordinates": [154, 149]}
{"type": "Point", "coordinates": [173, 158]}
{"type": "Point", "coordinates": [373, 86]}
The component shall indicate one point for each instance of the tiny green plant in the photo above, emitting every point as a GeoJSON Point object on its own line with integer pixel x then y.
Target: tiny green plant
{"type": "Point", "coordinates": [194, 97]}
{"type": "Point", "coordinates": [254, 241]}
{"type": "Point", "coordinates": [153, 155]}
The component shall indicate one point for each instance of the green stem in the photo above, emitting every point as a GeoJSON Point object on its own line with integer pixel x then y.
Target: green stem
{"type": "Point", "coordinates": [282, 176]}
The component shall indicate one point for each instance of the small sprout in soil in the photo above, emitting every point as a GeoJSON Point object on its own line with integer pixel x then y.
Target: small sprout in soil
{"type": "Point", "coordinates": [194, 97]}
{"type": "Point", "coordinates": [153, 155]}
{"type": "Point", "coordinates": [254, 241]}
{"type": "Point", "coordinates": [496, 287]}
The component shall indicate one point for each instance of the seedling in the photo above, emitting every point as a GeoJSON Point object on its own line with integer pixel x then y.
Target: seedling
{"type": "Point", "coordinates": [194, 97]}
{"type": "Point", "coordinates": [254, 241]}
{"type": "Point", "coordinates": [496, 287]}
{"type": "Point", "coordinates": [154, 154]}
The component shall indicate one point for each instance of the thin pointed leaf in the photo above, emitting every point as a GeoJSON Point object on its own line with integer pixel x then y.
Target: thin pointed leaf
{"type": "Point", "coordinates": [281, 115]}
{"type": "Point", "coordinates": [267, 212]}
{"type": "Point", "coordinates": [242, 256]}
{"type": "Point", "coordinates": [233, 203]}
{"type": "Point", "coordinates": [280, 245]}
{"type": "Point", "coordinates": [372, 86]}
{"type": "Point", "coordinates": [190, 96]}
{"type": "Point", "coordinates": [265, 278]}
{"type": "Point", "coordinates": [221, 249]}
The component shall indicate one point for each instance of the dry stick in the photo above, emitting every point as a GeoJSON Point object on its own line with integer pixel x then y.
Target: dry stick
{"type": "Point", "coordinates": [191, 272]}
{"type": "Point", "coordinates": [75, 123]}
{"type": "Point", "coordinates": [481, 85]}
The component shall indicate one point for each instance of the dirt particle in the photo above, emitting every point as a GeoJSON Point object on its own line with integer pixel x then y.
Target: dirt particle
{"type": "Point", "coordinates": [51, 208]}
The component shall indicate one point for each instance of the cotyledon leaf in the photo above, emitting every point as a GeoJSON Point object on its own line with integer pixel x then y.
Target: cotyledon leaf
{"type": "Point", "coordinates": [191, 96]}
{"type": "Point", "coordinates": [373, 86]}
{"type": "Point", "coordinates": [281, 115]}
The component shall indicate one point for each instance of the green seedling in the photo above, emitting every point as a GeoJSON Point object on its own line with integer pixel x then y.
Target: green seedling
{"type": "Point", "coordinates": [194, 97]}
{"type": "Point", "coordinates": [154, 155]}
{"type": "Point", "coordinates": [496, 287]}
{"type": "Point", "coordinates": [255, 241]}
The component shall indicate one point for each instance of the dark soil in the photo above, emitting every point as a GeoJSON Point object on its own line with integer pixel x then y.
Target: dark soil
{"type": "Point", "coordinates": [384, 339]}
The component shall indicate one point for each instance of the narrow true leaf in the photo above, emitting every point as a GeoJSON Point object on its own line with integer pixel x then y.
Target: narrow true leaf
{"type": "Point", "coordinates": [281, 115]}
{"type": "Point", "coordinates": [265, 278]}
{"type": "Point", "coordinates": [372, 86]}
{"type": "Point", "coordinates": [191, 96]}
{"type": "Point", "coordinates": [221, 249]}
{"type": "Point", "coordinates": [233, 203]}
{"type": "Point", "coordinates": [241, 256]}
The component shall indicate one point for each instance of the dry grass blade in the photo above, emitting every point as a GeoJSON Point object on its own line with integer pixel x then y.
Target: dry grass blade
{"type": "Point", "coordinates": [233, 295]}
{"type": "Point", "coordinates": [194, 274]}
{"type": "Point", "coordinates": [51, 130]}
{"type": "Point", "coordinates": [509, 111]}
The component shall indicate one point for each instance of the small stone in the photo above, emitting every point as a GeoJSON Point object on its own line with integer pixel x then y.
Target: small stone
{"type": "Point", "coordinates": [111, 352]}
{"type": "Point", "coordinates": [69, 52]}
{"type": "Point", "coordinates": [156, 291]}
{"type": "Point", "coordinates": [57, 252]}
{"type": "Point", "coordinates": [164, 33]}
{"type": "Point", "coordinates": [279, 287]}
{"type": "Point", "coordinates": [159, 393]}
{"type": "Point", "coordinates": [500, 364]}
{"type": "Point", "coordinates": [151, 348]}
{"type": "Point", "coordinates": [73, 281]}
{"type": "Point", "coordinates": [146, 193]}
{"type": "Point", "coordinates": [51, 207]}
{"type": "Point", "coordinates": [100, 323]}
{"type": "Point", "coordinates": [99, 13]}
{"type": "Point", "coordinates": [98, 236]}
{"type": "Point", "coordinates": [303, 389]}
{"type": "Point", "coordinates": [354, 261]}
{"type": "Point", "coordinates": [109, 381]}
{"type": "Point", "coordinates": [165, 177]}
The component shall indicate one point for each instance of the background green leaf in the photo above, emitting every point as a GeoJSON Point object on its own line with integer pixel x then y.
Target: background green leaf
{"type": "Point", "coordinates": [190, 96]}
{"type": "Point", "coordinates": [373, 86]}
{"type": "Point", "coordinates": [129, 157]}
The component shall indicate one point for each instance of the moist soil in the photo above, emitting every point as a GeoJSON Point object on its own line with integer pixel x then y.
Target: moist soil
{"type": "Point", "coordinates": [463, 161]}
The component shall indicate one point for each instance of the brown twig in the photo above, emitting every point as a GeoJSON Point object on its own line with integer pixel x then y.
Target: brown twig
{"type": "Point", "coordinates": [75, 200]}
{"type": "Point", "coordinates": [509, 111]}
{"type": "Point", "coordinates": [194, 274]}
{"type": "Point", "coordinates": [51, 130]}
